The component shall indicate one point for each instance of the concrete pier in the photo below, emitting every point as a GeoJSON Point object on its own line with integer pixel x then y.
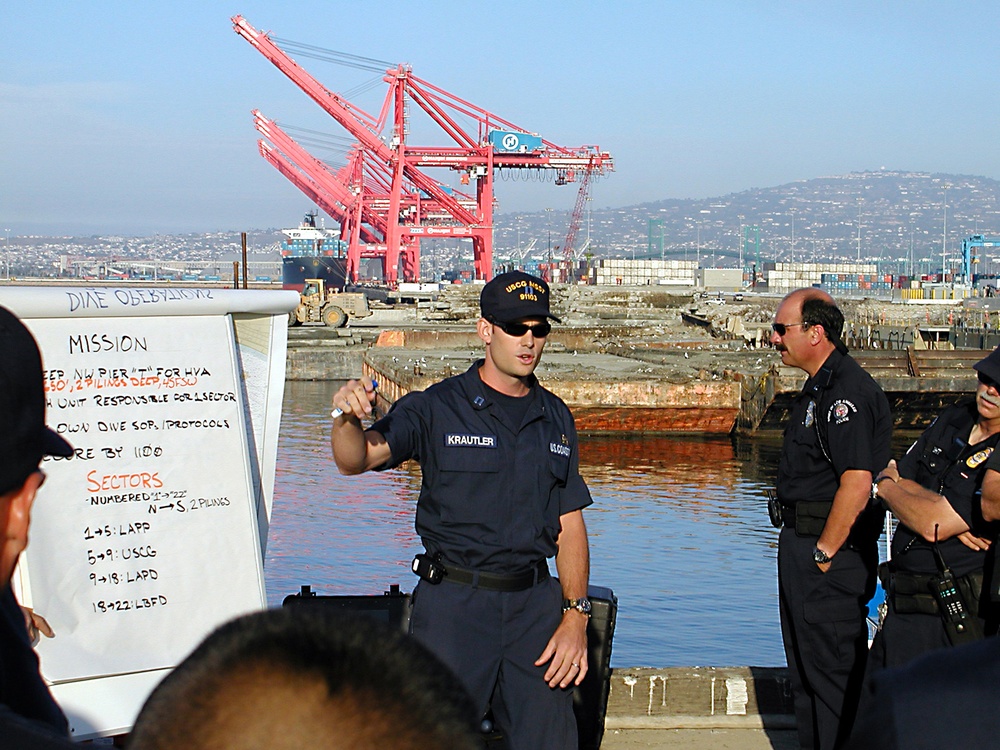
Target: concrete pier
{"type": "Point", "coordinates": [642, 386]}
{"type": "Point", "coordinates": [700, 697]}
{"type": "Point", "coordinates": [632, 360]}
{"type": "Point", "coordinates": [606, 392]}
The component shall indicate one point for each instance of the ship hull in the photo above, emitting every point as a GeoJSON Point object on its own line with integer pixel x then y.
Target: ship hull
{"type": "Point", "coordinates": [295, 269]}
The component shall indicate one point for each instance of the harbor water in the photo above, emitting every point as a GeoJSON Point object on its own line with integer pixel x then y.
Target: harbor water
{"type": "Point", "coordinates": [678, 531]}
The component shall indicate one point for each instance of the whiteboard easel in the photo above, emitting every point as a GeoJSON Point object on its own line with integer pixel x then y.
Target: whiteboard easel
{"type": "Point", "coordinates": [152, 534]}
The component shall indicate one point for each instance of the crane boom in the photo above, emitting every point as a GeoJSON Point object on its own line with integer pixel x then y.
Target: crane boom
{"type": "Point", "coordinates": [574, 222]}
{"type": "Point", "coordinates": [389, 190]}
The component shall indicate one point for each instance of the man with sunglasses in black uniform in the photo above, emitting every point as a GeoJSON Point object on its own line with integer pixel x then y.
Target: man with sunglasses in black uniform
{"type": "Point", "coordinates": [935, 493]}
{"type": "Point", "coordinates": [836, 440]}
{"type": "Point", "coordinates": [501, 492]}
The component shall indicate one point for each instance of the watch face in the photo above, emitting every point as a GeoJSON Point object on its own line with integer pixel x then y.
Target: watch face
{"type": "Point", "coordinates": [580, 605]}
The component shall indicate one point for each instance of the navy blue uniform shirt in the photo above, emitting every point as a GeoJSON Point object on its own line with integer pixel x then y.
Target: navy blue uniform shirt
{"type": "Point", "coordinates": [848, 407]}
{"type": "Point", "coordinates": [954, 469]}
{"type": "Point", "coordinates": [22, 689]}
{"type": "Point", "coordinates": [492, 492]}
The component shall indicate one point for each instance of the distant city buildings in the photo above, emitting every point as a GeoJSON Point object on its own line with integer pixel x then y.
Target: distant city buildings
{"type": "Point", "coordinates": [908, 223]}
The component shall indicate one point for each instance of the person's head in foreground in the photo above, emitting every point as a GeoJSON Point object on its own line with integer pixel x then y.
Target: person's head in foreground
{"type": "Point", "coordinates": [24, 438]}
{"type": "Point", "coordinates": [302, 677]}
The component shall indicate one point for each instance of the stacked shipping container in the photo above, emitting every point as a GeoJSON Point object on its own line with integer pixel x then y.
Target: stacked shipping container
{"type": "Point", "coordinates": [619, 271]}
{"type": "Point", "coordinates": [788, 276]}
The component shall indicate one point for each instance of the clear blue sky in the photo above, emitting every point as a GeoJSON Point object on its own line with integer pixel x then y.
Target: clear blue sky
{"type": "Point", "coordinates": [134, 117]}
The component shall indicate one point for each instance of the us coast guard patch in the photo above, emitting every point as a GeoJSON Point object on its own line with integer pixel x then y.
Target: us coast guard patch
{"type": "Point", "coordinates": [454, 440]}
{"type": "Point", "coordinates": [978, 457]}
{"type": "Point", "coordinates": [840, 411]}
{"type": "Point", "coordinates": [561, 448]}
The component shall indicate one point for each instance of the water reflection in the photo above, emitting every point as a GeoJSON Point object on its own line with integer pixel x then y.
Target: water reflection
{"type": "Point", "coordinates": [678, 531]}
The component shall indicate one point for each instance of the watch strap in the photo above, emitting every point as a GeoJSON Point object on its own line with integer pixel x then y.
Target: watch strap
{"type": "Point", "coordinates": [581, 605]}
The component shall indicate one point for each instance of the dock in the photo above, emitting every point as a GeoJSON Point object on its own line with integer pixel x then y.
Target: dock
{"type": "Point", "coordinates": [644, 361]}
{"type": "Point", "coordinates": [644, 388]}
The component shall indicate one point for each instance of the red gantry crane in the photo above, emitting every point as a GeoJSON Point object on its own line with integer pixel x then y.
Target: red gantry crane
{"type": "Point", "coordinates": [384, 199]}
{"type": "Point", "coordinates": [569, 247]}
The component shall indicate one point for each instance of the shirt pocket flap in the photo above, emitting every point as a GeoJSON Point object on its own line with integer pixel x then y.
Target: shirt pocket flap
{"type": "Point", "coordinates": [467, 458]}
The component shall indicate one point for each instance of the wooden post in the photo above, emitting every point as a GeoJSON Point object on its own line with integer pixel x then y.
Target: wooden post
{"type": "Point", "coordinates": [243, 240]}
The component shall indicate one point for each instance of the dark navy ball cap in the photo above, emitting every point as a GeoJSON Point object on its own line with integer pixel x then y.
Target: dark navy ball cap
{"type": "Point", "coordinates": [990, 365]}
{"type": "Point", "coordinates": [515, 295]}
{"type": "Point", "coordinates": [24, 438]}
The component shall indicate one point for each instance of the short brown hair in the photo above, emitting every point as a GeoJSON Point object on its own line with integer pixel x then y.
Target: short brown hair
{"type": "Point", "coordinates": [306, 677]}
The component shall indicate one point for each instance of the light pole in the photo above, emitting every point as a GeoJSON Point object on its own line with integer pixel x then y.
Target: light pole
{"type": "Point", "coordinates": [741, 244]}
{"type": "Point", "coordinates": [860, 199]}
{"type": "Point", "coordinates": [548, 220]}
{"type": "Point", "coordinates": [6, 256]}
{"type": "Point", "coordinates": [792, 251]}
{"type": "Point", "coordinates": [944, 236]}
{"type": "Point", "coordinates": [698, 244]}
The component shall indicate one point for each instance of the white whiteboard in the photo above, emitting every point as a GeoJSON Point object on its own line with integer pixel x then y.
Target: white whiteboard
{"type": "Point", "coordinates": [152, 535]}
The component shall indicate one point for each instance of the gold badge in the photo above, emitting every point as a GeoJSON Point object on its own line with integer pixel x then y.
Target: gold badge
{"type": "Point", "coordinates": [978, 457]}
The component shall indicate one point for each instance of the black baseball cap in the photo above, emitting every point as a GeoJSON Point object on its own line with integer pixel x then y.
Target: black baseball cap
{"type": "Point", "coordinates": [24, 438]}
{"type": "Point", "coordinates": [990, 365]}
{"type": "Point", "coordinates": [515, 295]}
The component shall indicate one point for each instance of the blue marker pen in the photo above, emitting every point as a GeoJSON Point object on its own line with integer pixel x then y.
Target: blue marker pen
{"type": "Point", "coordinates": [338, 412]}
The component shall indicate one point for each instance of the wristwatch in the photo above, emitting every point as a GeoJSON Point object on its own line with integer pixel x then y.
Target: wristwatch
{"type": "Point", "coordinates": [879, 478]}
{"type": "Point", "coordinates": [581, 605]}
{"type": "Point", "coordinates": [820, 557]}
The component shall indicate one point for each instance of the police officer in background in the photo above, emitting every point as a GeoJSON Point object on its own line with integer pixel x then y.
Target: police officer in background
{"type": "Point", "coordinates": [836, 440]}
{"type": "Point", "coordinates": [934, 492]}
{"type": "Point", "coordinates": [500, 493]}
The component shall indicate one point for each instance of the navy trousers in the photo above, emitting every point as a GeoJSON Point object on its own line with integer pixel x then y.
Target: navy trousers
{"type": "Point", "coordinates": [490, 640]}
{"type": "Point", "coordinates": [825, 636]}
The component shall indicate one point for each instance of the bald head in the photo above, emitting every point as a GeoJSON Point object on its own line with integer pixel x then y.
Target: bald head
{"type": "Point", "coordinates": [801, 295]}
{"type": "Point", "coordinates": [300, 677]}
{"type": "Point", "coordinates": [812, 325]}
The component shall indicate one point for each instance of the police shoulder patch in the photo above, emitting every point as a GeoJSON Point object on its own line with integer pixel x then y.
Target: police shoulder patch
{"type": "Point", "coordinates": [840, 411]}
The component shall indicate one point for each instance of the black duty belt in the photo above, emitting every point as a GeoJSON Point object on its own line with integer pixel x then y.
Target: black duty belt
{"type": "Point", "coordinates": [496, 581]}
{"type": "Point", "coordinates": [807, 517]}
{"type": "Point", "coordinates": [911, 592]}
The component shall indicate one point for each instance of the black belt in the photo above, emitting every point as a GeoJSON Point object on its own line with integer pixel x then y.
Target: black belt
{"type": "Point", "coordinates": [496, 581]}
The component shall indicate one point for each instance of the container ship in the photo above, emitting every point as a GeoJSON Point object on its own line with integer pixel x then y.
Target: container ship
{"type": "Point", "coordinates": [312, 252]}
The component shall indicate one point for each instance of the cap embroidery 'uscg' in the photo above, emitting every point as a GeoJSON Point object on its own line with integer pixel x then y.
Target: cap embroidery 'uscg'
{"type": "Point", "coordinates": [515, 296]}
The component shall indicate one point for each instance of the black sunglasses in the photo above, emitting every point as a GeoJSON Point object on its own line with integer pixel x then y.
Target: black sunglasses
{"type": "Point", "coordinates": [780, 328]}
{"type": "Point", "coordinates": [538, 330]}
{"type": "Point", "coordinates": [988, 381]}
